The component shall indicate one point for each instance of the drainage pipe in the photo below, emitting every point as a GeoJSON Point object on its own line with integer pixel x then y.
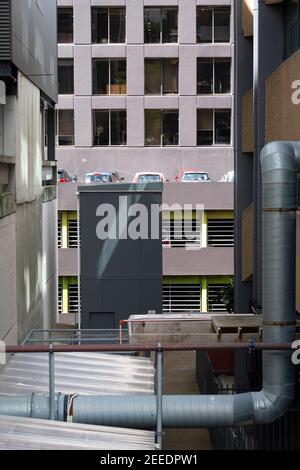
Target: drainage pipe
{"type": "Point", "coordinates": [280, 163]}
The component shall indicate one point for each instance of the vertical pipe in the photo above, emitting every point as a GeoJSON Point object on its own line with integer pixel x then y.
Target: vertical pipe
{"type": "Point", "coordinates": [51, 384]}
{"type": "Point", "coordinates": [159, 378]}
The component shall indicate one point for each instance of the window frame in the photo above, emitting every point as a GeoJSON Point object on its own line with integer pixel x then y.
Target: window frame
{"type": "Point", "coordinates": [109, 111]}
{"type": "Point", "coordinates": [215, 111]}
{"type": "Point", "coordinates": [162, 111]}
{"type": "Point", "coordinates": [161, 8]}
{"type": "Point", "coordinates": [214, 61]}
{"type": "Point", "coordinates": [109, 60]}
{"type": "Point", "coordinates": [57, 133]}
{"type": "Point", "coordinates": [213, 9]}
{"type": "Point", "coordinates": [71, 60]}
{"type": "Point", "coordinates": [60, 9]}
{"type": "Point", "coordinates": [162, 68]}
{"type": "Point", "coordinates": [108, 8]}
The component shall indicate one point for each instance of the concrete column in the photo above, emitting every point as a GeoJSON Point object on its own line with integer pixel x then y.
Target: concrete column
{"type": "Point", "coordinates": [188, 121]}
{"type": "Point", "coordinates": [135, 121]}
{"type": "Point", "coordinates": [135, 71]}
{"type": "Point", "coordinates": [187, 71]}
{"type": "Point", "coordinates": [187, 16]}
{"type": "Point", "coordinates": [135, 22]}
{"type": "Point", "coordinates": [83, 70]}
{"type": "Point", "coordinates": [82, 21]}
{"type": "Point", "coordinates": [83, 121]}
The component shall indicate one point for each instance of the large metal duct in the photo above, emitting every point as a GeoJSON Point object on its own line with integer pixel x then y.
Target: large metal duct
{"type": "Point", "coordinates": [280, 163]}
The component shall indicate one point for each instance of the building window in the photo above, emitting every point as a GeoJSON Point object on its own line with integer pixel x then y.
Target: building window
{"type": "Point", "coordinates": [110, 127]}
{"type": "Point", "coordinates": [214, 297]}
{"type": "Point", "coordinates": [161, 127]}
{"type": "Point", "coordinates": [213, 76]}
{"type": "Point", "coordinates": [65, 76]}
{"type": "Point", "coordinates": [213, 127]}
{"type": "Point", "coordinates": [161, 25]}
{"type": "Point", "coordinates": [161, 76]}
{"type": "Point", "coordinates": [65, 25]}
{"type": "Point", "coordinates": [108, 25]}
{"type": "Point", "coordinates": [180, 230]}
{"type": "Point", "coordinates": [213, 24]}
{"type": "Point", "coordinates": [109, 77]}
{"type": "Point", "coordinates": [292, 26]}
{"type": "Point", "coordinates": [65, 127]}
{"type": "Point", "coordinates": [220, 232]}
{"type": "Point", "coordinates": [181, 298]}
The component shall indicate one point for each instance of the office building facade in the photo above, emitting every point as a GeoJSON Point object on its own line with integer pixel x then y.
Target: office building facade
{"type": "Point", "coordinates": [148, 86]}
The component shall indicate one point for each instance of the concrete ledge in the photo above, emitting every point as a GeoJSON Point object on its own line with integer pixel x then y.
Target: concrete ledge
{"type": "Point", "coordinates": [7, 204]}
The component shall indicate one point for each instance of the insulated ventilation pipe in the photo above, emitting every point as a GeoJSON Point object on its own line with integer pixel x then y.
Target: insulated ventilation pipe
{"type": "Point", "coordinates": [280, 164]}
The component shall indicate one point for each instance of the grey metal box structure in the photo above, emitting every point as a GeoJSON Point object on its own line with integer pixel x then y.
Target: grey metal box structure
{"type": "Point", "coordinates": [118, 276]}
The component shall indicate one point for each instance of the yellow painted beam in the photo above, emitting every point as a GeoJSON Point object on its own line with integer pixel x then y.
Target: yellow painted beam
{"type": "Point", "coordinates": [204, 229]}
{"type": "Point", "coordinates": [64, 230]}
{"type": "Point", "coordinates": [65, 295]}
{"type": "Point", "coordinates": [204, 307]}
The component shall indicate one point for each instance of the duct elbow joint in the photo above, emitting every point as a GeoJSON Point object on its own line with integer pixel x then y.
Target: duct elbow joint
{"type": "Point", "coordinates": [269, 407]}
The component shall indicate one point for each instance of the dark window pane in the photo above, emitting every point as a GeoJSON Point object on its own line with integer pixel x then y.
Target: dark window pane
{"type": "Point", "coordinates": [65, 127]}
{"type": "Point", "coordinates": [152, 76]}
{"type": "Point", "coordinates": [222, 76]}
{"type": "Point", "coordinates": [117, 25]}
{"type": "Point", "coordinates": [204, 76]}
{"type": "Point", "coordinates": [222, 127]}
{"type": "Point", "coordinates": [118, 77]}
{"type": "Point", "coordinates": [169, 24]}
{"type": "Point", "coordinates": [118, 128]}
{"type": "Point", "coordinates": [152, 25]}
{"type": "Point", "coordinates": [204, 25]}
{"type": "Point", "coordinates": [100, 77]}
{"type": "Point", "coordinates": [222, 25]}
{"type": "Point", "coordinates": [205, 134]}
{"type": "Point", "coordinates": [65, 77]}
{"type": "Point", "coordinates": [152, 127]}
{"type": "Point", "coordinates": [65, 25]}
{"type": "Point", "coordinates": [101, 127]}
{"type": "Point", "coordinates": [170, 127]}
{"type": "Point", "coordinates": [100, 25]}
{"type": "Point", "coordinates": [170, 76]}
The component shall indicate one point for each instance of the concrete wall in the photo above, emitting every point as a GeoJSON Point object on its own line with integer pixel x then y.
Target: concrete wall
{"type": "Point", "coordinates": [28, 142]}
{"type": "Point", "coordinates": [34, 42]}
{"type": "Point", "coordinates": [282, 114]}
{"type": "Point", "coordinates": [49, 260]}
{"type": "Point", "coordinates": [8, 307]}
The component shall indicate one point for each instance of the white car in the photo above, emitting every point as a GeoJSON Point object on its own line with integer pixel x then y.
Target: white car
{"type": "Point", "coordinates": [149, 177]}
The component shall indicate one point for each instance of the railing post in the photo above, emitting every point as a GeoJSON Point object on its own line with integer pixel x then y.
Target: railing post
{"type": "Point", "coordinates": [159, 379]}
{"type": "Point", "coordinates": [51, 384]}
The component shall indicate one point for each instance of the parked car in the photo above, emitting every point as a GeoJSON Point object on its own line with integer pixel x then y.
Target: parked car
{"type": "Point", "coordinates": [192, 176]}
{"type": "Point", "coordinates": [149, 177]}
{"type": "Point", "coordinates": [64, 177]}
{"type": "Point", "coordinates": [102, 177]}
{"type": "Point", "coordinates": [228, 178]}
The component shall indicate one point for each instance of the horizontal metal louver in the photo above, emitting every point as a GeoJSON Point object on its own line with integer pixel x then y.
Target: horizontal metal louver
{"type": "Point", "coordinates": [73, 298]}
{"type": "Point", "coordinates": [72, 233]}
{"type": "Point", "coordinates": [5, 30]}
{"type": "Point", "coordinates": [214, 292]}
{"type": "Point", "coordinates": [59, 298]}
{"type": "Point", "coordinates": [181, 298]}
{"type": "Point", "coordinates": [220, 232]}
{"type": "Point", "coordinates": [180, 233]}
{"type": "Point", "coordinates": [59, 232]}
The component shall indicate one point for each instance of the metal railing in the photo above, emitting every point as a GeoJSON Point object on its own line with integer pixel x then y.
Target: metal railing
{"type": "Point", "coordinates": [51, 349]}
